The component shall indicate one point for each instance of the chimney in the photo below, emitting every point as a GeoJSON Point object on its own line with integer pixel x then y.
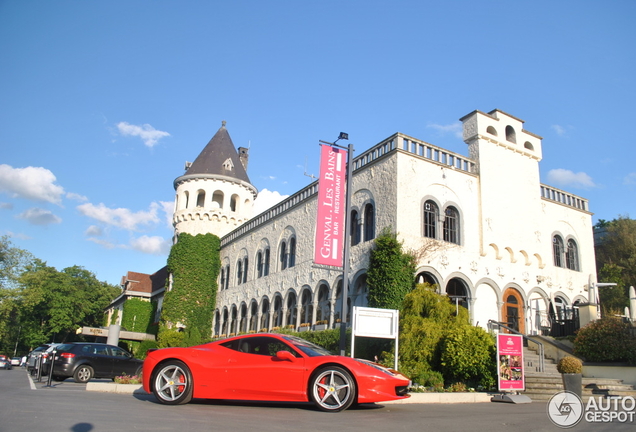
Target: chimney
{"type": "Point", "coordinates": [244, 156]}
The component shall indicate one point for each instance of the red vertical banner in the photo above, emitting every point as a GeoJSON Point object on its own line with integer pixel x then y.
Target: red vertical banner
{"type": "Point", "coordinates": [510, 362]}
{"type": "Point", "coordinates": [328, 246]}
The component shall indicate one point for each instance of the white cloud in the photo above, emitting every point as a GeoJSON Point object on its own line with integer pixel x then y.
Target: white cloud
{"type": "Point", "coordinates": [563, 177]}
{"type": "Point", "coordinates": [149, 135]}
{"type": "Point", "coordinates": [6, 206]}
{"type": "Point", "coordinates": [94, 230]}
{"type": "Point", "coordinates": [120, 217]}
{"type": "Point", "coordinates": [630, 179]}
{"type": "Point", "coordinates": [32, 183]}
{"type": "Point", "coordinates": [76, 197]}
{"type": "Point", "coordinates": [454, 128]}
{"type": "Point", "coordinates": [168, 208]}
{"type": "Point", "coordinates": [38, 216]}
{"type": "Point", "coordinates": [154, 245]}
{"type": "Point", "coordinates": [560, 130]}
{"type": "Point", "coordinates": [267, 199]}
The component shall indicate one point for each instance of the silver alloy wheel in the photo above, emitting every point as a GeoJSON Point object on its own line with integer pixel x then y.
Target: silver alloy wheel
{"type": "Point", "coordinates": [83, 374]}
{"type": "Point", "coordinates": [173, 384]}
{"type": "Point", "coordinates": [333, 389]}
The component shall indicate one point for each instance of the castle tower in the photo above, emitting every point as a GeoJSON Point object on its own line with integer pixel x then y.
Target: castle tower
{"type": "Point", "coordinates": [507, 159]}
{"type": "Point", "coordinates": [215, 194]}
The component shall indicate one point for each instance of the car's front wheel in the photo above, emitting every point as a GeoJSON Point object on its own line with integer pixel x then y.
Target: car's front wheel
{"type": "Point", "coordinates": [83, 374]}
{"type": "Point", "coordinates": [172, 383]}
{"type": "Point", "coordinates": [332, 389]}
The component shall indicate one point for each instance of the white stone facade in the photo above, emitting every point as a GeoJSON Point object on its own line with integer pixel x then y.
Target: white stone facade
{"type": "Point", "coordinates": [484, 226]}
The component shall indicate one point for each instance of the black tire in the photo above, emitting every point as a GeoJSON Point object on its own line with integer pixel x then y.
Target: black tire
{"type": "Point", "coordinates": [83, 374]}
{"type": "Point", "coordinates": [172, 383]}
{"type": "Point", "coordinates": [332, 389]}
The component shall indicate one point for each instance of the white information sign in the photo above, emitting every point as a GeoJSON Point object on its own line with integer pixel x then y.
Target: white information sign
{"type": "Point", "coordinates": [376, 323]}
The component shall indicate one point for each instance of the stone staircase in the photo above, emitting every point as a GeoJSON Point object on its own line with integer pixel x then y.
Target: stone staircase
{"type": "Point", "coordinates": [541, 386]}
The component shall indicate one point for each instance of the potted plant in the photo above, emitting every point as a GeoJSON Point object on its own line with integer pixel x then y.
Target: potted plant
{"type": "Point", "coordinates": [571, 370]}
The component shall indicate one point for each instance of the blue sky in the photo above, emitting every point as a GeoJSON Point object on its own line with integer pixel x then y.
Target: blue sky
{"type": "Point", "coordinates": [102, 103]}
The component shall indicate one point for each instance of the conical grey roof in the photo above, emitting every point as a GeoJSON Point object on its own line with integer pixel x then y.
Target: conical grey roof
{"type": "Point", "coordinates": [219, 157]}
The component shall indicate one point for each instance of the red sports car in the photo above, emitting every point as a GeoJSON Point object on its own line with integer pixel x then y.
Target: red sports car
{"type": "Point", "coordinates": [268, 367]}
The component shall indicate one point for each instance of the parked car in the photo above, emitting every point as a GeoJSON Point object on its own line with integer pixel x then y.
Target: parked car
{"type": "Point", "coordinates": [269, 367]}
{"type": "Point", "coordinates": [46, 357]}
{"type": "Point", "coordinates": [5, 363]}
{"type": "Point", "coordinates": [15, 361]}
{"type": "Point", "coordinates": [85, 360]}
{"type": "Point", "coordinates": [33, 361]}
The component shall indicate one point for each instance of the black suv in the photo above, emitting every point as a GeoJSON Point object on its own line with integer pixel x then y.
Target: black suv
{"type": "Point", "coordinates": [86, 360]}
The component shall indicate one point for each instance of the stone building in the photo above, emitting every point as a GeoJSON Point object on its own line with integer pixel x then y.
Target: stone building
{"type": "Point", "coordinates": [488, 233]}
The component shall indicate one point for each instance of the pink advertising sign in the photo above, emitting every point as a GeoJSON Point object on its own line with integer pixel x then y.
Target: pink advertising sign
{"type": "Point", "coordinates": [331, 195]}
{"type": "Point", "coordinates": [510, 362]}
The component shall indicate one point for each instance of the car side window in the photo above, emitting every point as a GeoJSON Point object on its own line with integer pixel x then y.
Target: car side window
{"type": "Point", "coordinates": [118, 352]}
{"type": "Point", "coordinates": [260, 345]}
{"type": "Point", "coordinates": [87, 349]}
{"type": "Point", "coordinates": [101, 350]}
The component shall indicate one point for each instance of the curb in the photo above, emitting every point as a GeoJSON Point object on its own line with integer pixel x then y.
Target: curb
{"type": "Point", "coordinates": [422, 398]}
{"type": "Point", "coordinates": [443, 398]}
{"type": "Point", "coordinates": [115, 388]}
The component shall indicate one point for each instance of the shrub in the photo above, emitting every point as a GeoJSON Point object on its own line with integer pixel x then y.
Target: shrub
{"type": "Point", "coordinates": [144, 346]}
{"type": "Point", "coordinates": [468, 354]}
{"type": "Point", "coordinates": [569, 364]}
{"type": "Point", "coordinates": [606, 340]}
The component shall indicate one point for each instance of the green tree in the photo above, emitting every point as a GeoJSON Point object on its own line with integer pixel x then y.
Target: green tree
{"type": "Point", "coordinates": [194, 264]}
{"type": "Point", "coordinates": [391, 273]}
{"type": "Point", "coordinates": [616, 261]}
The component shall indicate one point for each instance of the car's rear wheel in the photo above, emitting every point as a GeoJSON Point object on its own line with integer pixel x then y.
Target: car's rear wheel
{"type": "Point", "coordinates": [172, 383]}
{"type": "Point", "coordinates": [332, 389]}
{"type": "Point", "coordinates": [83, 374]}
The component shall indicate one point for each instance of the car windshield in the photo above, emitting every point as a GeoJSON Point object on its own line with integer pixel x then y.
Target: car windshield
{"type": "Point", "coordinates": [308, 348]}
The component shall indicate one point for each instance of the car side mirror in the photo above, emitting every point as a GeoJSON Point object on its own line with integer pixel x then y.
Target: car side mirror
{"type": "Point", "coordinates": [285, 356]}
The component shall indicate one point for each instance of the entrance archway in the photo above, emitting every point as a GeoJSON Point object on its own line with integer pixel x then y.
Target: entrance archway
{"type": "Point", "coordinates": [512, 311]}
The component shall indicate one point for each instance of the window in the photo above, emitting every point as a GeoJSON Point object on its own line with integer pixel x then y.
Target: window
{"type": "Point", "coordinates": [557, 250]}
{"type": "Point", "coordinates": [222, 282]}
{"type": "Point", "coordinates": [266, 263]}
{"type": "Point", "coordinates": [431, 214]}
{"type": "Point", "coordinates": [572, 256]}
{"type": "Point", "coordinates": [245, 266]}
{"type": "Point", "coordinates": [259, 264]}
{"type": "Point", "coordinates": [201, 199]}
{"type": "Point", "coordinates": [239, 272]}
{"type": "Point", "coordinates": [355, 228]}
{"type": "Point", "coordinates": [369, 222]}
{"type": "Point", "coordinates": [451, 225]}
{"type": "Point", "coordinates": [283, 256]}
{"type": "Point", "coordinates": [217, 198]}
{"type": "Point", "coordinates": [227, 276]}
{"type": "Point", "coordinates": [511, 135]}
{"type": "Point", "coordinates": [292, 252]}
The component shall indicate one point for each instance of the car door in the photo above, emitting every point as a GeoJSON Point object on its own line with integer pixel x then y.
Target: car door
{"type": "Point", "coordinates": [100, 359]}
{"type": "Point", "coordinates": [123, 362]}
{"type": "Point", "coordinates": [254, 372]}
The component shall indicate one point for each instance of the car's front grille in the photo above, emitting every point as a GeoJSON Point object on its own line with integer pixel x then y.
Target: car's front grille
{"type": "Point", "coordinates": [402, 390]}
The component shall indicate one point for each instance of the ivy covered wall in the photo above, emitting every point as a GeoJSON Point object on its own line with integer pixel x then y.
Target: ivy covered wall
{"type": "Point", "coordinates": [194, 264]}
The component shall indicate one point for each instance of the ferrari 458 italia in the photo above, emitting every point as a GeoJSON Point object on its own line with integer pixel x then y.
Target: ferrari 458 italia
{"type": "Point", "coordinates": [268, 367]}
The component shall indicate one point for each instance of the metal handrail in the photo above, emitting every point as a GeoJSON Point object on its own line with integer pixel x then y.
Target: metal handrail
{"type": "Point", "coordinates": [541, 350]}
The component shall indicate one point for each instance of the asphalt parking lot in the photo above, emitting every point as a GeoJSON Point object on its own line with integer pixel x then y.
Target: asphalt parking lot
{"type": "Point", "coordinates": [67, 406]}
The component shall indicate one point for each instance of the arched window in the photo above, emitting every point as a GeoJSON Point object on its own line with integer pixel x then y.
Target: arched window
{"type": "Point", "coordinates": [239, 272]}
{"type": "Point", "coordinates": [265, 314]}
{"type": "Point", "coordinates": [266, 263]}
{"type": "Point", "coordinates": [245, 267]}
{"type": "Point", "coordinates": [259, 264]}
{"type": "Point", "coordinates": [234, 203]}
{"type": "Point", "coordinates": [277, 320]}
{"type": "Point", "coordinates": [201, 199]}
{"type": "Point", "coordinates": [431, 215]}
{"type": "Point", "coordinates": [291, 309]}
{"type": "Point", "coordinates": [511, 135]}
{"type": "Point", "coordinates": [572, 256]}
{"type": "Point", "coordinates": [283, 256]}
{"type": "Point", "coordinates": [217, 198]}
{"type": "Point", "coordinates": [457, 292]}
{"type": "Point", "coordinates": [222, 281]}
{"type": "Point", "coordinates": [292, 252]}
{"type": "Point", "coordinates": [187, 199]}
{"type": "Point", "coordinates": [451, 225]}
{"type": "Point", "coordinates": [355, 228]}
{"type": "Point", "coordinates": [369, 222]}
{"type": "Point", "coordinates": [306, 307]}
{"type": "Point", "coordinates": [227, 276]}
{"type": "Point", "coordinates": [491, 130]}
{"type": "Point", "coordinates": [557, 250]}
